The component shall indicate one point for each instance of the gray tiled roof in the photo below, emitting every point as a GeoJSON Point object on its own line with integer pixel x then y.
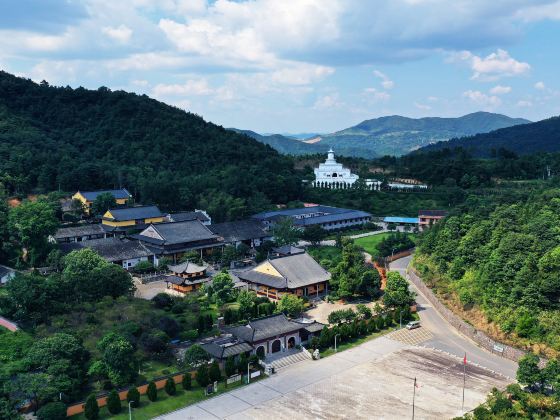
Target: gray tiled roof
{"type": "Point", "coordinates": [187, 268]}
{"type": "Point", "coordinates": [182, 281]}
{"type": "Point", "coordinates": [223, 348]}
{"type": "Point", "coordinates": [188, 215]}
{"type": "Point", "coordinates": [83, 230]}
{"type": "Point", "coordinates": [181, 232]}
{"type": "Point", "coordinates": [118, 194]}
{"type": "Point", "coordinates": [6, 270]}
{"type": "Point", "coordinates": [315, 215]}
{"type": "Point", "coordinates": [297, 270]}
{"type": "Point", "coordinates": [241, 230]}
{"type": "Point", "coordinates": [135, 213]}
{"type": "Point", "coordinates": [263, 328]}
{"type": "Point", "coordinates": [112, 249]}
{"type": "Point", "coordinates": [433, 213]}
{"type": "Point", "coordinates": [287, 250]}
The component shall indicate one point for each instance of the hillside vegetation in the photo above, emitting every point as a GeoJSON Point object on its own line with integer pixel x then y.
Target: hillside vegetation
{"type": "Point", "coordinates": [526, 139]}
{"type": "Point", "coordinates": [61, 138]}
{"type": "Point", "coordinates": [391, 135]}
{"type": "Point", "coordinates": [502, 261]}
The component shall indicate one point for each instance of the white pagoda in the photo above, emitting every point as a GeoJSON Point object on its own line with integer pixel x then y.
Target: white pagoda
{"type": "Point", "coordinates": [332, 174]}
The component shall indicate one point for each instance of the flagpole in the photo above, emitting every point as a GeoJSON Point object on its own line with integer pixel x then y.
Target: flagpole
{"type": "Point", "coordinates": [464, 379]}
{"type": "Point", "coordinates": [413, 397]}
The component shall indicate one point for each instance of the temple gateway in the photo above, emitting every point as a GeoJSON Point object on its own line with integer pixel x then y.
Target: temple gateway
{"type": "Point", "coordinates": [332, 174]}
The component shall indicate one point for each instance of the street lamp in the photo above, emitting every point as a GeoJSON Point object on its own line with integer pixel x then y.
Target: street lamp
{"type": "Point", "coordinates": [130, 410]}
{"type": "Point", "coordinates": [336, 335]}
{"type": "Point", "coordinates": [248, 373]}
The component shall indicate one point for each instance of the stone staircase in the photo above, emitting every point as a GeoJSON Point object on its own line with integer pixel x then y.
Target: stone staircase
{"type": "Point", "coordinates": [289, 359]}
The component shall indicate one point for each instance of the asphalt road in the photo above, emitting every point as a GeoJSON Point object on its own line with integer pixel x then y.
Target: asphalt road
{"type": "Point", "coordinates": [446, 338]}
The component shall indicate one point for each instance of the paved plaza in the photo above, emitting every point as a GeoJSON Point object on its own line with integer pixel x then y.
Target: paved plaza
{"type": "Point", "coordinates": [374, 380]}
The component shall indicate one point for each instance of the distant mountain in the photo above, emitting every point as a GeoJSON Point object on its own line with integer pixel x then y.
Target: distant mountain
{"type": "Point", "coordinates": [541, 136]}
{"type": "Point", "coordinates": [392, 135]}
{"type": "Point", "coordinates": [283, 144]}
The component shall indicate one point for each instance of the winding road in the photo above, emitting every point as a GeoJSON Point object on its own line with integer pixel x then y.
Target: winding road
{"type": "Point", "coordinates": [447, 338]}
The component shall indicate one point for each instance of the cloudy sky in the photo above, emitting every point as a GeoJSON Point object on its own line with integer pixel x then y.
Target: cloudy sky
{"type": "Point", "coordinates": [297, 65]}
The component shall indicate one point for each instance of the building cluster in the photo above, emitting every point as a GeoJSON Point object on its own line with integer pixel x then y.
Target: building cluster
{"type": "Point", "coordinates": [425, 219]}
{"type": "Point", "coordinates": [334, 175]}
{"type": "Point", "coordinates": [127, 235]}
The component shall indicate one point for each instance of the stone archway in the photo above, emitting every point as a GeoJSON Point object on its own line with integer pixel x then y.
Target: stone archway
{"type": "Point", "coordinates": [261, 352]}
{"type": "Point", "coordinates": [291, 342]}
{"type": "Point", "coordinates": [276, 346]}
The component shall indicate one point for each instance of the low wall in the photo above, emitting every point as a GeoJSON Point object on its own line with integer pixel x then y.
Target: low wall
{"type": "Point", "coordinates": [142, 389]}
{"type": "Point", "coordinates": [10, 325]}
{"type": "Point", "coordinates": [464, 328]}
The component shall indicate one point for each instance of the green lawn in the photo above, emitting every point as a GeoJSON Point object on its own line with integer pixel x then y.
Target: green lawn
{"type": "Point", "coordinates": [369, 243]}
{"type": "Point", "coordinates": [164, 403]}
{"type": "Point", "coordinates": [331, 253]}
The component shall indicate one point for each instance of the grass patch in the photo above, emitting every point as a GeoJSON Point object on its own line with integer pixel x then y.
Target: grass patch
{"type": "Point", "coordinates": [164, 403]}
{"type": "Point", "coordinates": [356, 342]}
{"type": "Point", "coordinates": [331, 253]}
{"type": "Point", "coordinates": [369, 243]}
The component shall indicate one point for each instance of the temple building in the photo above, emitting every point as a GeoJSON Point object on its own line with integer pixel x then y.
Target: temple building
{"type": "Point", "coordinates": [187, 277]}
{"type": "Point", "coordinates": [334, 175]}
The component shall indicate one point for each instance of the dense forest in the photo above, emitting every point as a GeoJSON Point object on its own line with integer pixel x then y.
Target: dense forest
{"type": "Point", "coordinates": [498, 264]}
{"type": "Point", "coordinates": [525, 139]}
{"type": "Point", "coordinates": [55, 138]}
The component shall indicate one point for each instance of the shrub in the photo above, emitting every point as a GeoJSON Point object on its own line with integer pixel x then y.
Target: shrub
{"type": "Point", "coordinates": [230, 366]}
{"type": "Point", "coordinates": [91, 410]}
{"type": "Point", "coordinates": [151, 392]}
{"type": "Point", "coordinates": [170, 387]}
{"type": "Point", "coordinates": [133, 397]}
{"type": "Point", "coordinates": [52, 411]}
{"type": "Point", "coordinates": [214, 372]}
{"type": "Point", "coordinates": [202, 375]}
{"type": "Point", "coordinates": [143, 267]}
{"type": "Point", "coordinates": [187, 381]}
{"type": "Point", "coordinates": [169, 326]}
{"type": "Point", "coordinates": [162, 301]}
{"type": "Point", "coordinates": [114, 402]}
{"type": "Point", "coordinates": [380, 323]}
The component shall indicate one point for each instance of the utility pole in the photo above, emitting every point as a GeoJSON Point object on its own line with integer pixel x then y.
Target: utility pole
{"type": "Point", "coordinates": [464, 379]}
{"type": "Point", "coordinates": [413, 397]}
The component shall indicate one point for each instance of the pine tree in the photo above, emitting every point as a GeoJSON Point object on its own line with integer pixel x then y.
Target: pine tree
{"type": "Point", "coordinates": [133, 397]}
{"type": "Point", "coordinates": [170, 387]}
{"type": "Point", "coordinates": [152, 391]}
{"type": "Point", "coordinates": [187, 381]}
{"type": "Point", "coordinates": [201, 324]}
{"type": "Point", "coordinates": [113, 402]}
{"type": "Point", "coordinates": [91, 410]}
{"type": "Point", "coordinates": [208, 322]}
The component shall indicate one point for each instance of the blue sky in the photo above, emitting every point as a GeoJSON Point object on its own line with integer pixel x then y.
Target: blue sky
{"type": "Point", "coordinates": [297, 65]}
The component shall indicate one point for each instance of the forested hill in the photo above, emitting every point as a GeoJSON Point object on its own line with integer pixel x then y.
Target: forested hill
{"type": "Point", "coordinates": [541, 136]}
{"type": "Point", "coordinates": [499, 265]}
{"type": "Point", "coordinates": [59, 137]}
{"type": "Point", "coordinates": [283, 144]}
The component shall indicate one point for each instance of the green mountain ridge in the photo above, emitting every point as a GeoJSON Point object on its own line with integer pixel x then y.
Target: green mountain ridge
{"type": "Point", "coordinates": [392, 135]}
{"type": "Point", "coordinates": [541, 136]}
{"type": "Point", "coordinates": [62, 138]}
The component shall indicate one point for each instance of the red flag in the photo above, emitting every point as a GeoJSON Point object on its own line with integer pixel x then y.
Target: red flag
{"type": "Point", "coordinates": [465, 359]}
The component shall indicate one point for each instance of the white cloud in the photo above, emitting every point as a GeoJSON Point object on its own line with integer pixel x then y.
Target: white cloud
{"type": "Point", "coordinates": [327, 101]}
{"type": "Point", "coordinates": [385, 81]}
{"type": "Point", "coordinates": [121, 33]}
{"type": "Point", "coordinates": [539, 86]}
{"type": "Point", "coordinates": [422, 107]}
{"type": "Point", "coordinates": [524, 104]}
{"type": "Point", "coordinates": [481, 99]}
{"type": "Point", "coordinates": [376, 95]}
{"type": "Point", "coordinates": [500, 90]}
{"type": "Point", "coordinates": [492, 67]}
{"type": "Point", "coordinates": [190, 87]}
